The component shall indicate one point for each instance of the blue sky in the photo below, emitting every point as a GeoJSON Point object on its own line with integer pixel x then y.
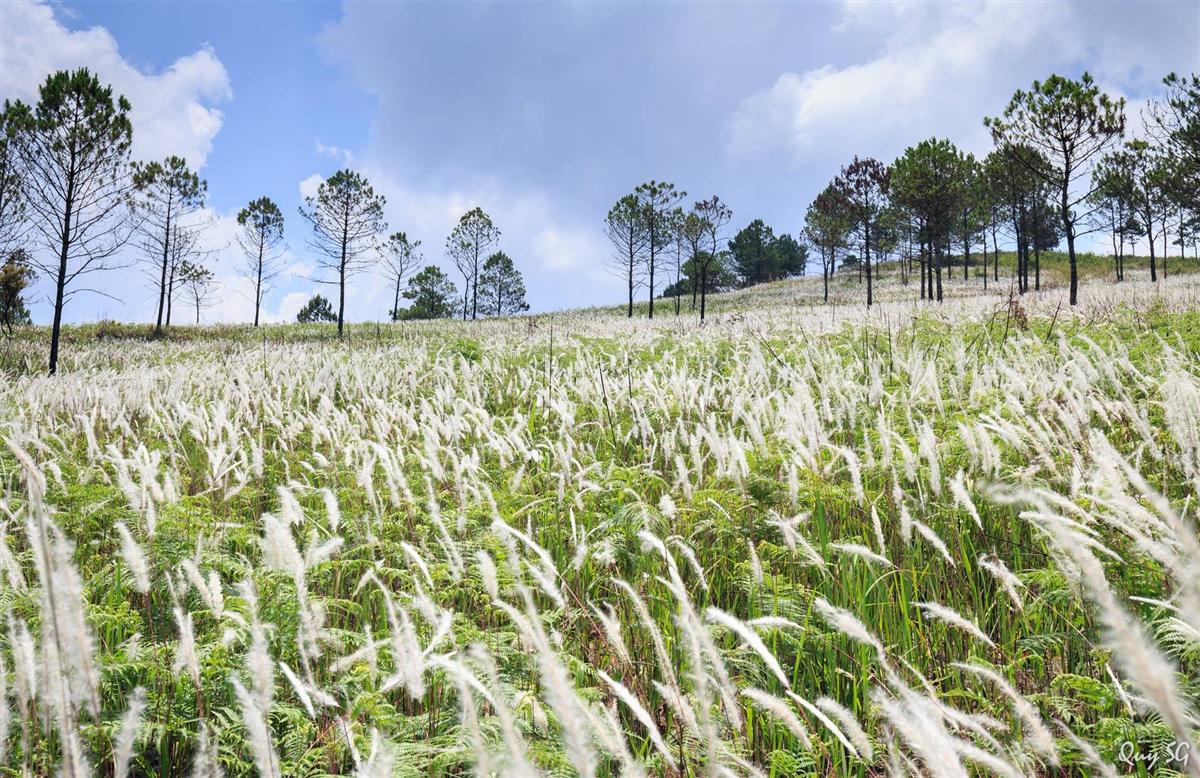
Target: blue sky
{"type": "Point", "coordinates": [545, 113]}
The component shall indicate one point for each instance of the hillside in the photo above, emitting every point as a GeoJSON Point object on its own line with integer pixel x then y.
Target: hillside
{"type": "Point", "coordinates": [801, 539]}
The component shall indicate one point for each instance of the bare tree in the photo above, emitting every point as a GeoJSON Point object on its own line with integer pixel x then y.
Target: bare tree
{"type": "Point", "coordinates": [468, 246]}
{"type": "Point", "coordinates": [73, 153]}
{"type": "Point", "coordinates": [692, 234]}
{"type": "Point", "coordinates": [400, 258]}
{"type": "Point", "coordinates": [186, 247]}
{"type": "Point", "coordinates": [261, 239]}
{"type": "Point", "coordinates": [13, 207]}
{"type": "Point", "coordinates": [657, 201]}
{"type": "Point", "coordinates": [627, 233]}
{"type": "Point", "coordinates": [347, 217]}
{"type": "Point", "coordinates": [679, 246]}
{"type": "Point", "coordinates": [168, 192]}
{"type": "Point", "coordinates": [199, 285]}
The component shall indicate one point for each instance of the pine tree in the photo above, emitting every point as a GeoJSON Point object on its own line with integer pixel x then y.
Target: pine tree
{"type": "Point", "coordinates": [501, 286]}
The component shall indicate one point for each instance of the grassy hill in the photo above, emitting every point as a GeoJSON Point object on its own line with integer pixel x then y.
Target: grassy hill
{"type": "Point", "coordinates": [802, 539]}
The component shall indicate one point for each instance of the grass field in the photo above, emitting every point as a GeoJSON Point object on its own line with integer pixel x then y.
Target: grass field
{"type": "Point", "coordinates": [802, 539]}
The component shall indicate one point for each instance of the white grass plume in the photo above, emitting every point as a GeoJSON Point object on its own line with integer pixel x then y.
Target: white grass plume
{"type": "Point", "coordinates": [780, 710]}
{"type": "Point", "coordinates": [640, 713]}
{"type": "Point", "coordinates": [611, 625]}
{"type": "Point", "coordinates": [487, 574]}
{"type": "Point", "coordinates": [877, 526]}
{"type": "Point", "coordinates": [205, 763]}
{"type": "Point", "coordinates": [134, 559]}
{"type": "Point", "coordinates": [693, 562]}
{"type": "Point", "coordinates": [1008, 580]}
{"type": "Point", "coordinates": [919, 724]}
{"type": "Point", "coordinates": [756, 568]}
{"type": "Point", "coordinates": [827, 722]}
{"type": "Point", "coordinates": [848, 624]}
{"type": "Point", "coordinates": [751, 638]}
{"type": "Point", "coordinates": [1037, 733]}
{"type": "Point", "coordinates": [849, 725]}
{"type": "Point", "coordinates": [862, 552]}
{"type": "Point", "coordinates": [265, 758]}
{"type": "Point", "coordinates": [1091, 756]}
{"type": "Point", "coordinates": [130, 721]}
{"type": "Point", "coordinates": [958, 489]}
{"type": "Point", "coordinates": [937, 612]}
{"type": "Point", "coordinates": [934, 540]}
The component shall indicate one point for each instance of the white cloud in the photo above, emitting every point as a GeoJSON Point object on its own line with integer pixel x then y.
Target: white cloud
{"type": "Point", "coordinates": [309, 186]}
{"type": "Point", "coordinates": [567, 250]}
{"type": "Point", "coordinates": [344, 156]}
{"type": "Point", "coordinates": [173, 111]}
{"type": "Point", "coordinates": [934, 76]}
{"type": "Point", "coordinates": [543, 246]}
{"type": "Point", "coordinates": [939, 70]}
{"type": "Point", "coordinates": [289, 306]}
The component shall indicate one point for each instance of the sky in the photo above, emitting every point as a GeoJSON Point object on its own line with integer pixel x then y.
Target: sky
{"type": "Point", "coordinates": [544, 114]}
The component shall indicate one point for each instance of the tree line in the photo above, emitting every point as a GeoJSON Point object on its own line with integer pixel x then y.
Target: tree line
{"type": "Point", "coordinates": [1060, 169]}
{"type": "Point", "coordinates": [651, 233]}
{"type": "Point", "coordinates": [74, 203]}
{"type": "Point", "coordinates": [72, 200]}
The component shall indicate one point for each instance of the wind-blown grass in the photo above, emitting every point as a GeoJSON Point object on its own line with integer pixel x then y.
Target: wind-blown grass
{"type": "Point", "coordinates": [797, 540]}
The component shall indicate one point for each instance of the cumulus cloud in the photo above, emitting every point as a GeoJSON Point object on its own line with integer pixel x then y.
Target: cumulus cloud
{"type": "Point", "coordinates": [174, 111]}
{"type": "Point", "coordinates": [309, 186]}
{"type": "Point", "coordinates": [939, 69]}
{"type": "Point", "coordinates": [932, 77]}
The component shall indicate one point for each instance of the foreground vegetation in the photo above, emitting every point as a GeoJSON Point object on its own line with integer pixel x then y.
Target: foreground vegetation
{"type": "Point", "coordinates": [802, 539]}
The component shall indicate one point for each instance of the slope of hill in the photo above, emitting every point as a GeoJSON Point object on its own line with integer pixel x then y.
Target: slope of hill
{"type": "Point", "coordinates": [799, 539]}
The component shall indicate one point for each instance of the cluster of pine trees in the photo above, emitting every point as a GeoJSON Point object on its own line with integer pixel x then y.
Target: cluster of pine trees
{"type": "Point", "coordinates": [74, 203]}
{"type": "Point", "coordinates": [1061, 168]}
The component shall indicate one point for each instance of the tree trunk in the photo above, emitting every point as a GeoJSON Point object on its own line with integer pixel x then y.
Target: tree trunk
{"type": "Point", "coordinates": [825, 270]}
{"type": "Point", "coordinates": [966, 255]}
{"type": "Point", "coordinates": [60, 283]}
{"type": "Point", "coordinates": [170, 294]}
{"type": "Point", "coordinates": [1116, 255]}
{"type": "Point", "coordinates": [677, 270]}
{"type": "Point", "coordinates": [938, 259]}
{"type": "Point", "coordinates": [631, 267]}
{"type": "Point", "coordinates": [692, 278]}
{"type": "Point", "coordinates": [921, 262]}
{"type": "Point", "coordinates": [703, 287]}
{"type": "Point", "coordinates": [995, 257]}
{"type": "Point", "coordinates": [1165, 252]}
{"type": "Point", "coordinates": [341, 297]}
{"type": "Point", "coordinates": [1069, 229]}
{"type": "Point", "coordinates": [475, 285]}
{"type": "Point", "coordinates": [652, 261]}
{"type": "Point", "coordinates": [258, 283]}
{"type": "Point", "coordinates": [1037, 251]}
{"type": "Point", "coordinates": [1022, 253]}
{"type": "Point", "coordinates": [162, 282]}
{"type": "Point", "coordinates": [1150, 240]}
{"type": "Point", "coordinates": [867, 253]}
{"type": "Point", "coordinates": [927, 271]}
